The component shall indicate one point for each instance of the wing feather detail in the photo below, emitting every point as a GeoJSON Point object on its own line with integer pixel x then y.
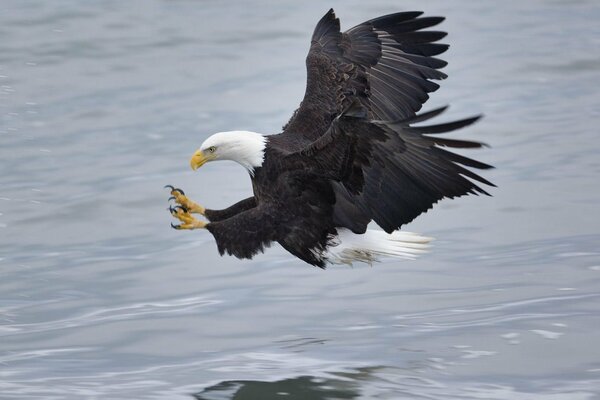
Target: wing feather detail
{"type": "Point", "coordinates": [385, 63]}
{"type": "Point", "coordinates": [383, 165]}
{"type": "Point", "coordinates": [391, 172]}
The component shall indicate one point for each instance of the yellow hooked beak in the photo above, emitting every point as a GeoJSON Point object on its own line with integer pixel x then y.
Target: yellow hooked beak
{"type": "Point", "coordinates": [198, 160]}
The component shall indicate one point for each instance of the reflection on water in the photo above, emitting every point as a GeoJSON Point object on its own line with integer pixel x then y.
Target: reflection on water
{"type": "Point", "coordinates": [301, 388]}
{"type": "Point", "coordinates": [102, 103]}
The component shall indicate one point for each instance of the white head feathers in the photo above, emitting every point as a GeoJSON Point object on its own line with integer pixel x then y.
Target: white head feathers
{"type": "Point", "coordinates": [244, 147]}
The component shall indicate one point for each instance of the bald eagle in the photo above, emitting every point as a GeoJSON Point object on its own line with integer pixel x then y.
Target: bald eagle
{"type": "Point", "coordinates": [350, 154]}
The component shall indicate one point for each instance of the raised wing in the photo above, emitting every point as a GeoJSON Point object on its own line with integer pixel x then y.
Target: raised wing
{"type": "Point", "coordinates": [386, 64]}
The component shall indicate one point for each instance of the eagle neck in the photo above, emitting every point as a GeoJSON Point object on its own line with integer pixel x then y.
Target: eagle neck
{"type": "Point", "coordinates": [250, 150]}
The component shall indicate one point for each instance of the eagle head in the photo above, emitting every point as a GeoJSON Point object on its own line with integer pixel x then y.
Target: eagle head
{"type": "Point", "coordinates": [244, 147]}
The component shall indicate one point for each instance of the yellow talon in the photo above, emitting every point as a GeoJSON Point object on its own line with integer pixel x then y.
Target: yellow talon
{"type": "Point", "coordinates": [181, 199]}
{"type": "Point", "coordinates": [188, 221]}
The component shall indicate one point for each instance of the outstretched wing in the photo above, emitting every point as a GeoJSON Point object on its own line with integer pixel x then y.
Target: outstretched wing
{"type": "Point", "coordinates": [386, 64]}
{"type": "Point", "coordinates": [390, 172]}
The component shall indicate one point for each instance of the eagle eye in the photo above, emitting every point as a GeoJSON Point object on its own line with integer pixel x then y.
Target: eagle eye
{"type": "Point", "coordinates": [212, 149]}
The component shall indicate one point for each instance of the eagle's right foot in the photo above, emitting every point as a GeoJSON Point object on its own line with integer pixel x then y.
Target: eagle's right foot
{"type": "Point", "coordinates": [187, 220]}
{"type": "Point", "coordinates": [180, 198]}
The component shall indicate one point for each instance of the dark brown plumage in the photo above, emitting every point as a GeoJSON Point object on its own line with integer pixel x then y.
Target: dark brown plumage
{"type": "Point", "coordinates": [354, 152]}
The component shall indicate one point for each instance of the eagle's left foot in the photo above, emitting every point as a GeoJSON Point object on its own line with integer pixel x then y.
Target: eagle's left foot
{"type": "Point", "coordinates": [188, 221]}
{"type": "Point", "coordinates": [180, 198]}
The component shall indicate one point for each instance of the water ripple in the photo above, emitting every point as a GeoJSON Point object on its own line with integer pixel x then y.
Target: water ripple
{"type": "Point", "coordinates": [134, 311]}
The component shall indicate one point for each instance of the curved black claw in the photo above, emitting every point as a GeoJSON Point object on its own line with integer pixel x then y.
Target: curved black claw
{"type": "Point", "coordinates": [171, 198]}
{"type": "Point", "coordinates": [173, 210]}
{"type": "Point", "coordinates": [182, 208]}
{"type": "Point", "coordinates": [175, 226]}
{"type": "Point", "coordinates": [174, 189]}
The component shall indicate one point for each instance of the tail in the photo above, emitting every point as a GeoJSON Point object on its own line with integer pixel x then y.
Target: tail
{"type": "Point", "coordinates": [374, 244]}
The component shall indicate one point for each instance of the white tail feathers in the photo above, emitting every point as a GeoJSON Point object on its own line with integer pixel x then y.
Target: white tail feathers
{"type": "Point", "coordinates": [374, 244]}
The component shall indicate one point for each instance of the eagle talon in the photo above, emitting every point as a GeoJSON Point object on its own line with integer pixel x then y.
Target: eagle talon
{"type": "Point", "coordinates": [187, 205]}
{"type": "Point", "coordinates": [175, 190]}
{"type": "Point", "coordinates": [188, 221]}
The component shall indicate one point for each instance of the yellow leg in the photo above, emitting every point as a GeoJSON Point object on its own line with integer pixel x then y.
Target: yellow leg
{"type": "Point", "coordinates": [190, 206]}
{"type": "Point", "coordinates": [187, 219]}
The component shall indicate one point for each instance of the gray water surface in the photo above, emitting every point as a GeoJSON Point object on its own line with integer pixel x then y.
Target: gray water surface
{"type": "Point", "coordinates": [103, 103]}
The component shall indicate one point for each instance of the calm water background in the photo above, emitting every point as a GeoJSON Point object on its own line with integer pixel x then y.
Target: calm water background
{"type": "Point", "coordinates": [102, 103]}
